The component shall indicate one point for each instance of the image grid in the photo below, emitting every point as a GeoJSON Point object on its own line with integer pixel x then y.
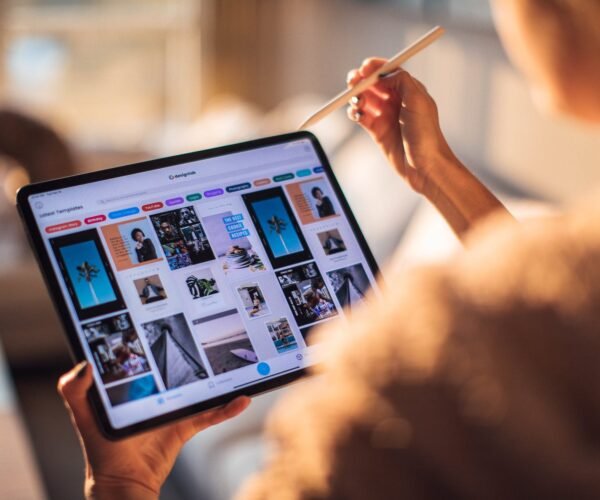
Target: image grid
{"type": "Point", "coordinates": [182, 237]}
{"type": "Point", "coordinates": [306, 294]}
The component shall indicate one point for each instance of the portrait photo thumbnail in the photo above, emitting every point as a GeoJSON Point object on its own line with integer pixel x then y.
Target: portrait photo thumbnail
{"type": "Point", "coordinates": [350, 285]}
{"type": "Point", "coordinates": [331, 241]}
{"type": "Point", "coordinates": [253, 300]}
{"type": "Point", "coordinates": [229, 233]}
{"type": "Point", "coordinates": [116, 348]}
{"type": "Point", "coordinates": [132, 243]}
{"type": "Point", "coordinates": [225, 342]}
{"type": "Point", "coordinates": [306, 293]}
{"type": "Point", "coordinates": [182, 237]}
{"type": "Point", "coordinates": [313, 200]}
{"type": "Point", "coordinates": [150, 289]}
{"type": "Point", "coordinates": [282, 335]}
{"type": "Point", "coordinates": [174, 351]}
{"type": "Point", "coordinates": [88, 276]}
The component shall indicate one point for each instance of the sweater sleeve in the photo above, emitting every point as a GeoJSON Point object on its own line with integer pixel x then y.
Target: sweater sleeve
{"type": "Point", "coordinates": [476, 379]}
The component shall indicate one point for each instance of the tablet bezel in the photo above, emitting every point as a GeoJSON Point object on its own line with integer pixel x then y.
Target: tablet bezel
{"type": "Point", "coordinates": [50, 277]}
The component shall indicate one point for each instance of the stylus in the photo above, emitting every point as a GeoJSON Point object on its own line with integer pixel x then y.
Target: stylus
{"type": "Point", "coordinates": [393, 64]}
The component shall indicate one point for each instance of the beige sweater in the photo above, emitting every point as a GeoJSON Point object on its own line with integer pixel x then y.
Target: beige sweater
{"type": "Point", "coordinates": [476, 379]}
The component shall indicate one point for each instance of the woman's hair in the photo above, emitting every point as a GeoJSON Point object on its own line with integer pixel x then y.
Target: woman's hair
{"type": "Point", "coordinates": [316, 190]}
{"type": "Point", "coordinates": [137, 230]}
{"type": "Point", "coordinates": [572, 21]}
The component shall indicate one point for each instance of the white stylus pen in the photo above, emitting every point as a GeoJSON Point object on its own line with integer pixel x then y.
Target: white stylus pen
{"type": "Point", "coordinates": [393, 64]}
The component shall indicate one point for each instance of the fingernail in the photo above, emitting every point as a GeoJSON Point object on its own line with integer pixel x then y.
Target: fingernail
{"type": "Point", "coordinates": [81, 369]}
{"type": "Point", "coordinates": [355, 100]}
{"type": "Point", "coordinates": [357, 115]}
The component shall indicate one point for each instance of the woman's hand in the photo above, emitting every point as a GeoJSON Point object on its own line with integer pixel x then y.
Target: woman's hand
{"type": "Point", "coordinates": [402, 118]}
{"type": "Point", "coordinates": [135, 467]}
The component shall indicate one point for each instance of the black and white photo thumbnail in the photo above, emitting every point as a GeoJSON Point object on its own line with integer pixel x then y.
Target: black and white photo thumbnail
{"type": "Point", "coordinates": [350, 285]}
{"type": "Point", "coordinates": [174, 351]}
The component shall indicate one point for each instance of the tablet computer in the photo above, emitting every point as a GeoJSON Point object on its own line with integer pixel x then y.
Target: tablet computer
{"type": "Point", "coordinates": [187, 281]}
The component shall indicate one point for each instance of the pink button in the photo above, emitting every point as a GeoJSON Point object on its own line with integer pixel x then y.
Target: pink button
{"type": "Point", "coordinates": [63, 227]}
{"type": "Point", "coordinates": [262, 182]}
{"type": "Point", "coordinates": [95, 219]}
{"type": "Point", "coordinates": [152, 206]}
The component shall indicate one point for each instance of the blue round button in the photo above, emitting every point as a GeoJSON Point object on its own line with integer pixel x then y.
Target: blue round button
{"type": "Point", "coordinates": [263, 368]}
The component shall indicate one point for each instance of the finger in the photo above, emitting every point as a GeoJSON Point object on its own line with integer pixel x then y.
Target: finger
{"type": "Point", "coordinates": [364, 118]}
{"type": "Point", "coordinates": [353, 78]}
{"type": "Point", "coordinates": [371, 65]}
{"type": "Point", "coordinates": [73, 387]}
{"type": "Point", "coordinates": [189, 428]}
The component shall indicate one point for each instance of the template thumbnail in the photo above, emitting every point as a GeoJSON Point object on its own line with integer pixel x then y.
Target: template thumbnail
{"type": "Point", "coordinates": [182, 237]}
{"type": "Point", "coordinates": [277, 227]}
{"type": "Point", "coordinates": [225, 341]}
{"type": "Point", "coordinates": [253, 300]}
{"type": "Point", "coordinates": [282, 335]}
{"type": "Point", "coordinates": [201, 284]}
{"type": "Point", "coordinates": [229, 236]}
{"type": "Point", "coordinates": [350, 285]}
{"type": "Point", "coordinates": [87, 274]}
{"type": "Point", "coordinates": [306, 294]}
{"type": "Point", "coordinates": [150, 289]}
{"type": "Point", "coordinates": [313, 200]}
{"type": "Point", "coordinates": [174, 351]}
{"type": "Point", "coordinates": [131, 244]}
{"type": "Point", "coordinates": [116, 348]}
{"type": "Point", "coordinates": [331, 242]}
{"type": "Point", "coordinates": [133, 390]}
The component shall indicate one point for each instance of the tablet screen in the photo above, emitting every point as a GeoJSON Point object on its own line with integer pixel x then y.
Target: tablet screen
{"type": "Point", "coordinates": [193, 280]}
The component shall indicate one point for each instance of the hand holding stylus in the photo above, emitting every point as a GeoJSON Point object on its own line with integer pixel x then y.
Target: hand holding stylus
{"type": "Point", "coordinates": [387, 67]}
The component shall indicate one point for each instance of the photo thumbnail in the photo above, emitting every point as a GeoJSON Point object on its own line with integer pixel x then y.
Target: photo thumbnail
{"type": "Point", "coordinates": [350, 285]}
{"type": "Point", "coordinates": [225, 341]}
{"type": "Point", "coordinates": [331, 242]}
{"type": "Point", "coordinates": [229, 236]}
{"type": "Point", "coordinates": [253, 300]}
{"type": "Point", "coordinates": [116, 348]}
{"type": "Point", "coordinates": [306, 294]}
{"type": "Point", "coordinates": [87, 274]}
{"type": "Point", "coordinates": [282, 335]}
{"type": "Point", "coordinates": [182, 237]}
{"type": "Point", "coordinates": [277, 227]}
{"type": "Point", "coordinates": [313, 200]}
{"type": "Point", "coordinates": [132, 243]}
{"type": "Point", "coordinates": [202, 284]}
{"type": "Point", "coordinates": [150, 289]}
{"type": "Point", "coordinates": [174, 351]}
{"type": "Point", "coordinates": [133, 390]}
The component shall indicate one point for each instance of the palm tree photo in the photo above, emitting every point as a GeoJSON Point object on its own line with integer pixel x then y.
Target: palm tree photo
{"type": "Point", "coordinates": [88, 272]}
{"type": "Point", "coordinates": [278, 225]}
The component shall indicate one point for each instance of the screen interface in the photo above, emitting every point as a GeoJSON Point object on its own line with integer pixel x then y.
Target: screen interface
{"type": "Point", "coordinates": [191, 281]}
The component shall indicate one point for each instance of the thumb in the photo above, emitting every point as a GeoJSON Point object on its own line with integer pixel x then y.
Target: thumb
{"type": "Point", "coordinates": [73, 387]}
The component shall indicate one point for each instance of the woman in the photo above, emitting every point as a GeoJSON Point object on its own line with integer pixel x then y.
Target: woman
{"type": "Point", "coordinates": [323, 203]}
{"type": "Point", "coordinates": [473, 379]}
{"type": "Point", "coordinates": [144, 248]}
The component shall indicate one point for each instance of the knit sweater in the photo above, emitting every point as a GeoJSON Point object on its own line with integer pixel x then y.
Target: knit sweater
{"type": "Point", "coordinates": [478, 378]}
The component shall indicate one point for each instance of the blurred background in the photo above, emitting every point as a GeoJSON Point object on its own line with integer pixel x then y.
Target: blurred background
{"type": "Point", "coordinates": [90, 84]}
